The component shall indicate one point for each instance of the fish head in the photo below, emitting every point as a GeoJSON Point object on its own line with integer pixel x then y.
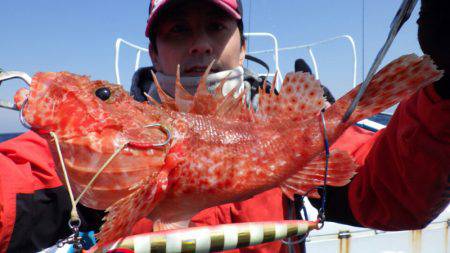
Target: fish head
{"type": "Point", "coordinates": [93, 120]}
{"type": "Point", "coordinates": [72, 105]}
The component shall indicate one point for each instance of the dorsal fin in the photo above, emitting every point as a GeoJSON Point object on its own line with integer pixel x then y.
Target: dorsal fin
{"type": "Point", "coordinates": [239, 104]}
{"type": "Point", "coordinates": [234, 107]}
{"type": "Point", "coordinates": [152, 100]}
{"type": "Point", "coordinates": [274, 84]}
{"type": "Point", "coordinates": [218, 91]}
{"type": "Point", "coordinates": [265, 97]}
{"type": "Point", "coordinates": [262, 91]}
{"type": "Point", "coordinates": [166, 100]}
{"type": "Point", "coordinates": [341, 168]}
{"type": "Point", "coordinates": [203, 100]}
{"type": "Point", "coordinates": [301, 97]}
{"type": "Point", "coordinates": [227, 103]}
{"type": "Point", "coordinates": [183, 99]}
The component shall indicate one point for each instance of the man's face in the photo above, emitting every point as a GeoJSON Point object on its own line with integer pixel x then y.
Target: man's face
{"type": "Point", "coordinates": [193, 34]}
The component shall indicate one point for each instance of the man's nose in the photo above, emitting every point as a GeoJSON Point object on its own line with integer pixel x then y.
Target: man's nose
{"type": "Point", "coordinates": [201, 44]}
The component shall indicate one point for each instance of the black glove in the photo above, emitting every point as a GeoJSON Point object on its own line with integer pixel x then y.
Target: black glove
{"type": "Point", "coordinates": [434, 39]}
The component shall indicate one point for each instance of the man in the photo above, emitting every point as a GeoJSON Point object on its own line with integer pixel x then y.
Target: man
{"type": "Point", "coordinates": [403, 171]}
{"type": "Point", "coordinates": [386, 194]}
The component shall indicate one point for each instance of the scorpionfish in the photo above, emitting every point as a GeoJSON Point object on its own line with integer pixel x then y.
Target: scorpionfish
{"type": "Point", "coordinates": [217, 150]}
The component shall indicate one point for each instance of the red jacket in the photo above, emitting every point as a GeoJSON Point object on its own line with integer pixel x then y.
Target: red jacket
{"type": "Point", "coordinates": [401, 184]}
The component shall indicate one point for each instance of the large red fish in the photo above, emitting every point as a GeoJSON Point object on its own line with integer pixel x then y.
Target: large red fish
{"type": "Point", "coordinates": [219, 151]}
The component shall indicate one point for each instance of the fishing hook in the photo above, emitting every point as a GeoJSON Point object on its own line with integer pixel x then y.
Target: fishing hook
{"type": "Point", "coordinates": [152, 145]}
{"type": "Point", "coordinates": [165, 130]}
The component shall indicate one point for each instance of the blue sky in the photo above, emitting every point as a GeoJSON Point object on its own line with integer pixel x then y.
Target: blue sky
{"type": "Point", "coordinates": [79, 36]}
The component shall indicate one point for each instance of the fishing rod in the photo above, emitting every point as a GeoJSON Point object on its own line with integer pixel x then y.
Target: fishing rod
{"type": "Point", "coordinates": [403, 14]}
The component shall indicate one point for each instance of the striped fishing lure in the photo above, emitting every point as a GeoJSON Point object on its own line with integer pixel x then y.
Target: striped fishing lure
{"type": "Point", "coordinates": [209, 238]}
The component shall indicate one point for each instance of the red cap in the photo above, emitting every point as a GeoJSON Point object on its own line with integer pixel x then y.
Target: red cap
{"type": "Point", "coordinates": [232, 7]}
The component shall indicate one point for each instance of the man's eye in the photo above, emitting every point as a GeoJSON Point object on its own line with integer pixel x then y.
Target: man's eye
{"type": "Point", "coordinates": [176, 29]}
{"type": "Point", "coordinates": [216, 27]}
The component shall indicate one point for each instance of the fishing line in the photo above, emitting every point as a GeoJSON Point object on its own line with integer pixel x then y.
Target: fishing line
{"type": "Point", "coordinates": [100, 171]}
{"type": "Point", "coordinates": [74, 214]}
{"type": "Point", "coordinates": [74, 222]}
{"type": "Point", "coordinates": [363, 36]}
{"type": "Point", "coordinates": [321, 215]}
{"type": "Point", "coordinates": [248, 25]}
{"type": "Point", "coordinates": [116, 152]}
{"type": "Point", "coordinates": [321, 212]}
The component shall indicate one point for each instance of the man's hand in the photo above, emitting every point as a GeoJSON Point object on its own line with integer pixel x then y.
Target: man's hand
{"type": "Point", "coordinates": [434, 38]}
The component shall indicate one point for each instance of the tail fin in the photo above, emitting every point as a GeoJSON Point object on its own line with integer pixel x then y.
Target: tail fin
{"type": "Point", "coordinates": [395, 82]}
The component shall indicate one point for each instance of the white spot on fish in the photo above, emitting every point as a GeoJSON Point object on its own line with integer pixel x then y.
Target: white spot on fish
{"type": "Point", "coordinates": [282, 162]}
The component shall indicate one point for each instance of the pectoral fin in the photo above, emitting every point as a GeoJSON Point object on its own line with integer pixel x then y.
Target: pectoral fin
{"type": "Point", "coordinates": [341, 168]}
{"type": "Point", "coordinates": [160, 225]}
{"type": "Point", "coordinates": [123, 214]}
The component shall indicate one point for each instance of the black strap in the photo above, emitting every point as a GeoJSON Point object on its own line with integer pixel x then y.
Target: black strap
{"type": "Point", "coordinates": [257, 60]}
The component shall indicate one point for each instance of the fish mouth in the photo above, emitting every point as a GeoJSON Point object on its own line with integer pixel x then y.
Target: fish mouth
{"type": "Point", "coordinates": [198, 70]}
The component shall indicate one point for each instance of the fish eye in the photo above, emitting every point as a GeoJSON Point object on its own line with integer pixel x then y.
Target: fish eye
{"type": "Point", "coordinates": [103, 93]}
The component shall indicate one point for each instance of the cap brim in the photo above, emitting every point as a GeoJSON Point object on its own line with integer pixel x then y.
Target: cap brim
{"type": "Point", "coordinates": [233, 13]}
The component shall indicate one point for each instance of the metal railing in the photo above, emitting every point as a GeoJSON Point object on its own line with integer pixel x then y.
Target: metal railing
{"type": "Point", "coordinates": [275, 50]}
{"type": "Point", "coordinates": [310, 46]}
{"type": "Point", "coordinates": [415, 242]}
{"type": "Point", "coordinates": [140, 49]}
